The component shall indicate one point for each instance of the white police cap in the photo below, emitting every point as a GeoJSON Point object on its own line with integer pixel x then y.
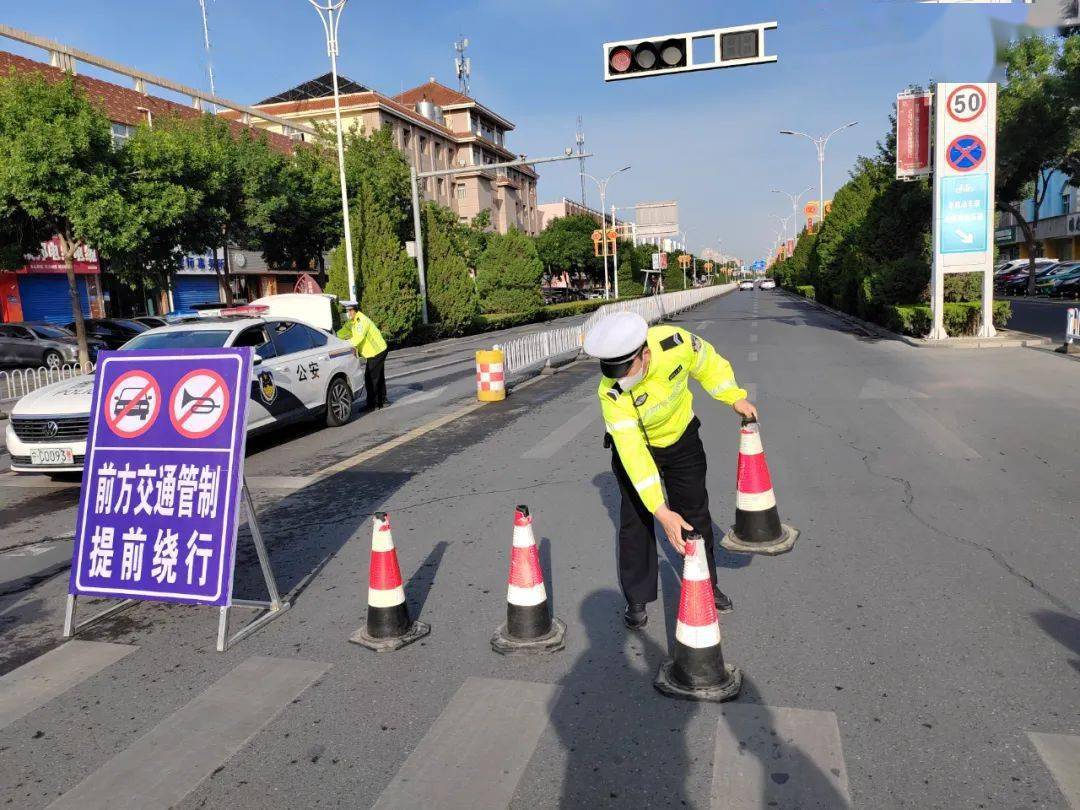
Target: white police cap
{"type": "Point", "coordinates": [349, 304]}
{"type": "Point", "coordinates": [615, 341]}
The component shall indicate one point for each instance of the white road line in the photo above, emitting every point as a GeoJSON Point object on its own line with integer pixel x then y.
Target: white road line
{"type": "Point", "coordinates": [37, 682]}
{"type": "Point", "coordinates": [769, 756]}
{"type": "Point", "coordinates": [1061, 753]}
{"type": "Point", "coordinates": [946, 442]}
{"type": "Point", "coordinates": [415, 397]}
{"type": "Point", "coordinates": [704, 325]}
{"type": "Point", "coordinates": [753, 338]}
{"type": "Point", "coordinates": [874, 388]}
{"type": "Point", "coordinates": [170, 761]}
{"type": "Point", "coordinates": [752, 357]}
{"type": "Point", "coordinates": [474, 754]}
{"type": "Point", "coordinates": [564, 434]}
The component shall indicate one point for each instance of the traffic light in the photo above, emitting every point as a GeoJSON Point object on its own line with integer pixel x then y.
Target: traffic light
{"type": "Point", "coordinates": [679, 53]}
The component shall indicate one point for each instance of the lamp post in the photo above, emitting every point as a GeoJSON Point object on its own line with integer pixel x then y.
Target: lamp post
{"type": "Point", "coordinates": [794, 203]}
{"type": "Point", "coordinates": [330, 15]}
{"type": "Point", "coordinates": [601, 185]}
{"type": "Point", "coordinates": [820, 143]}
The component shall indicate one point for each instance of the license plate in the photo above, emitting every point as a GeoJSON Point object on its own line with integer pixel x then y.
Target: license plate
{"type": "Point", "coordinates": [52, 456]}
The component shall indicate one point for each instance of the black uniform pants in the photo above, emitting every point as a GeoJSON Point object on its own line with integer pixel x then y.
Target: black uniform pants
{"type": "Point", "coordinates": [375, 379]}
{"type": "Point", "coordinates": [682, 468]}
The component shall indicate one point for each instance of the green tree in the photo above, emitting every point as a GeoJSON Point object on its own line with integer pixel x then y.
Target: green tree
{"type": "Point", "coordinates": [452, 296]}
{"type": "Point", "coordinates": [508, 276]}
{"type": "Point", "coordinates": [566, 245]}
{"type": "Point", "coordinates": [59, 176]}
{"type": "Point", "coordinates": [1037, 127]}
{"type": "Point", "coordinates": [390, 293]}
{"type": "Point", "coordinates": [631, 260]}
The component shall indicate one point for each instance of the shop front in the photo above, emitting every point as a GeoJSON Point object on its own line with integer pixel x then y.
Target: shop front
{"type": "Point", "coordinates": [38, 291]}
{"type": "Point", "coordinates": [195, 282]}
{"type": "Point", "coordinates": [1058, 236]}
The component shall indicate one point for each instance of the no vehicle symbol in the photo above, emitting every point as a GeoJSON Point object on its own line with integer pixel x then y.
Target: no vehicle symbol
{"type": "Point", "coordinates": [966, 153]}
{"type": "Point", "coordinates": [132, 404]}
{"type": "Point", "coordinates": [199, 403]}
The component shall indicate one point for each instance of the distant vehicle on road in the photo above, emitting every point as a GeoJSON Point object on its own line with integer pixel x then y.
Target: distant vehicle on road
{"type": "Point", "coordinates": [300, 371]}
{"type": "Point", "coordinates": [1053, 279]}
{"type": "Point", "coordinates": [746, 284]}
{"type": "Point", "coordinates": [113, 332]}
{"type": "Point", "coordinates": [768, 284]}
{"type": "Point", "coordinates": [1069, 288]}
{"type": "Point", "coordinates": [1017, 283]}
{"type": "Point", "coordinates": [35, 343]}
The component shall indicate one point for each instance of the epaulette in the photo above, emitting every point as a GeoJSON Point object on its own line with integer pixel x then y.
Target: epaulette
{"type": "Point", "coordinates": [671, 341]}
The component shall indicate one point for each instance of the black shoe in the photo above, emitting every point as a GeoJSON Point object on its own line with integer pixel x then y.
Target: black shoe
{"type": "Point", "coordinates": [385, 403]}
{"type": "Point", "coordinates": [720, 599]}
{"type": "Point", "coordinates": [635, 616]}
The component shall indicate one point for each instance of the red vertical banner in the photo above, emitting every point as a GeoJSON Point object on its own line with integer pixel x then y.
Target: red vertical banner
{"type": "Point", "coordinates": [912, 135]}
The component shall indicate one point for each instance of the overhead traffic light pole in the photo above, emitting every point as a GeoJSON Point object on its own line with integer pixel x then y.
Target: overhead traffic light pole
{"type": "Point", "coordinates": [735, 46]}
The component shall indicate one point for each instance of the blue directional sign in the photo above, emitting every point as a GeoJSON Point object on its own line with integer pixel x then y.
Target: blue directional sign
{"type": "Point", "coordinates": [758, 265]}
{"type": "Point", "coordinates": [964, 207]}
{"type": "Point", "coordinates": [966, 153]}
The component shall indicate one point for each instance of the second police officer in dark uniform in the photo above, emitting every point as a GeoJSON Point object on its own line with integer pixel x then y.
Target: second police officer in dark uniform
{"type": "Point", "coordinates": [647, 406]}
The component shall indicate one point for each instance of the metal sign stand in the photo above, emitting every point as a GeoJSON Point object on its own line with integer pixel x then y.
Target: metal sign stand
{"type": "Point", "coordinates": [271, 608]}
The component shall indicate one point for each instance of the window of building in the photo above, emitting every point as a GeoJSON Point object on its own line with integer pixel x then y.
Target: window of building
{"type": "Point", "coordinates": [423, 145]}
{"type": "Point", "coordinates": [406, 137]}
{"type": "Point", "coordinates": [459, 191]}
{"type": "Point", "coordinates": [442, 187]}
{"type": "Point", "coordinates": [438, 152]}
{"type": "Point", "coordinates": [1066, 202]}
{"type": "Point", "coordinates": [121, 133]}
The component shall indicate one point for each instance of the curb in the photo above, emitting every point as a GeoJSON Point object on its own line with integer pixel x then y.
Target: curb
{"type": "Point", "coordinates": [1009, 339]}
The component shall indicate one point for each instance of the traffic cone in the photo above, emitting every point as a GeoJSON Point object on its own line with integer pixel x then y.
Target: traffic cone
{"type": "Point", "coordinates": [696, 670]}
{"type": "Point", "coordinates": [530, 627]}
{"type": "Point", "coordinates": [757, 528]}
{"type": "Point", "coordinates": [388, 624]}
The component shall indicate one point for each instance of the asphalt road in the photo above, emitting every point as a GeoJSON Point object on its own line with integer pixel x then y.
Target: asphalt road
{"type": "Point", "coordinates": [918, 648]}
{"type": "Point", "coordinates": [1040, 316]}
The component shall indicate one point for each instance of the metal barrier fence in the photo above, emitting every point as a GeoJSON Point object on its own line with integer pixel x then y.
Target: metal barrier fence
{"type": "Point", "coordinates": [1072, 325]}
{"type": "Point", "coordinates": [532, 350]}
{"type": "Point", "coordinates": [21, 381]}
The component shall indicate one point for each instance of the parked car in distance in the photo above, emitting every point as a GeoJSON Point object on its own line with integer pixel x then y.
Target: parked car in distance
{"type": "Point", "coordinates": [1069, 288]}
{"type": "Point", "coordinates": [113, 332]}
{"type": "Point", "coordinates": [1053, 279]}
{"type": "Point", "coordinates": [1014, 266]}
{"type": "Point", "coordinates": [768, 284]}
{"type": "Point", "coordinates": [746, 284]}
{"type": "Point", "coordinates": [151, 321]}
{"type": "Point", "coordinates": [35, 343]}
{"type": "Point", "coordinates": [1017, 283]}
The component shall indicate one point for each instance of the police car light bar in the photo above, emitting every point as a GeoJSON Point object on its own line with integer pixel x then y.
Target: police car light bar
{"type": "Point", "coordinates": [735, 46]}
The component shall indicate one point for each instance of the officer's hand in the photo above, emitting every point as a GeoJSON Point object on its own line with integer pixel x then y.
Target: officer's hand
{"type": "Point", "coordinates": [746, 409]}
{"type": "Point", "coordinates": [673, 524]}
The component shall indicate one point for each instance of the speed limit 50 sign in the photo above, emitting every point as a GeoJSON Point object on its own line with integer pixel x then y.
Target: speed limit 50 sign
{"type": "Point", "coordinates": [966, 103]}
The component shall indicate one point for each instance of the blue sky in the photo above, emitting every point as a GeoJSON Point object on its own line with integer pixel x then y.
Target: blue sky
{"type": "Point", "coordinates": [709, 140]}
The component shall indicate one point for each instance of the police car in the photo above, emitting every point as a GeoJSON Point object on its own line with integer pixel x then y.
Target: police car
{"type": "Point", "coordinates": [301, 370]}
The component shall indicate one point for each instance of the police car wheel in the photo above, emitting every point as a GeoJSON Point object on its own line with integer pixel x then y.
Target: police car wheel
{"type": "Point", "coordinates": [339, 402]}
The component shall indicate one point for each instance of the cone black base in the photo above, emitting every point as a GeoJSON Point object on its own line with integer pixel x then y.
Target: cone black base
{"type": "Point", "coordinates": [505, 644]}
{"type": "Point", "coordinates": [758, 526]}
{"type": "Point", "coordinates": [417, 630]}
{"type": "Point", "coordinates": [668, 684]}
{"type": "Point", "coordinates": [528, 622]}
{"type": "Point", "coordinates": [784, 543]}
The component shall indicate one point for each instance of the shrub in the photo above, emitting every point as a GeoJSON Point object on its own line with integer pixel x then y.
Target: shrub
{"type": "Point", "coordinates": [806, 291]}
{"type": "Point", "coordinates": [508, 274]}
{"type": "Point", "coordinates": [959, 318]}
{"type": "Point", "coordinates": [452, 299]}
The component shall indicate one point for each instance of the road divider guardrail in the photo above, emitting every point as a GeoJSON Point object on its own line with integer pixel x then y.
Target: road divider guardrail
{"type": "Point", "coordinates": [540, 348]}
{"type": "Point", "coordinates": [19, 382]}
{"type": "Point", "coordinates": [1072, 325]}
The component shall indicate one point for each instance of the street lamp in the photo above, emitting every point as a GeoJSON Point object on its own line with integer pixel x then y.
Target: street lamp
{"type": "Point", "coordinates": [601, 185]}
{"type": "Point", "coordinates": [794, 203]}
{"type": "Point", "coordinates": [820, 142]}
{"type": "Point", "coordinates": [330, 15]}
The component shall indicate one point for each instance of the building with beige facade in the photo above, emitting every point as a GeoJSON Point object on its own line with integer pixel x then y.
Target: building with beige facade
{"type": "Point", "coordinates": [437, 128]}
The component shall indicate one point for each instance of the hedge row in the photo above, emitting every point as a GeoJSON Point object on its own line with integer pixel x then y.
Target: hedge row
{"type": "Point", "coordinates": [959, 318]}
{"type": "Point", "coordinates": [806, 291]}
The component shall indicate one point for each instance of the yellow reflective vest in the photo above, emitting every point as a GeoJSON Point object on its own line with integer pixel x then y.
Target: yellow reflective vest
{"type": "Point", "coordinates": [364, 335]}
{"type": "Point", "coordinates": [659, 408]}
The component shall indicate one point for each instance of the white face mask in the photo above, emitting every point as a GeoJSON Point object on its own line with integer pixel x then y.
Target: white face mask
{"type": "Point", "coordinates": [626, 383]}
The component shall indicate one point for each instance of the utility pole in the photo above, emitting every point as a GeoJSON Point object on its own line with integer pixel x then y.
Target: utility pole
{"type": "Point", "coordinates": [794, 203]}
{"type": "Point", "coordinates": [601, 185]}
{"type": "Point", "coordinates": [820, 142]}
{"type": "Point", "coordinates": [579, 139]}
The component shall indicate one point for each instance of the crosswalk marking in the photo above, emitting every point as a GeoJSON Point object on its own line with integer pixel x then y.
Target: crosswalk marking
{"type": "Point", "coordinates": [1061, 753]}
{"type": "Point", "coordinates": [37, 682]}
{"type": "Point", "coordinates": [563, 434]}
{"type": "Point", "coordinates": [475, 752]}
{"type": "Point", "coordinates": [752, 357]}
{"type": "Point", "coordinates": [770, 756]}
{"type": "Point", "coordinates": [944, 440]}
{"type": "Point", "coordinates": [167, 763]}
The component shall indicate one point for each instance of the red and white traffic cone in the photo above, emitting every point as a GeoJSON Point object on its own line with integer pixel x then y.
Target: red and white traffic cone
{"type": "Point", "coordinates": [388, 624]}
{"type": "Point", "coordinates": [530, 627]}
{"type": "Point", "coordinates": [696, 669]}
{"type": "Point", "coordinates": [757, 528]}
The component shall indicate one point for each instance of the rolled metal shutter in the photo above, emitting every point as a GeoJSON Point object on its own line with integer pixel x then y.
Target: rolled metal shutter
{"type": "Point", "coordinates": [46, 298]}
{"type": "Point", "coordinates": [191, 290]}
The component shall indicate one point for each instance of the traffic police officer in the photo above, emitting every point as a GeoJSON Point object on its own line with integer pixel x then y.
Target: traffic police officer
{"type": "Point", "coordinates": [647, 406]}
{"type": "Point", "coordinates": [368, 341]}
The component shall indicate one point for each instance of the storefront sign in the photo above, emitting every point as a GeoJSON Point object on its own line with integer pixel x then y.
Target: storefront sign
{"type": "Point", "coordinates": [51, 259]}
{"type": "Point", "coordinates": [1005, 235]}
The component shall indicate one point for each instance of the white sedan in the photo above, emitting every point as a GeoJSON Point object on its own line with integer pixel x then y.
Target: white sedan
{"type": "Point", "coordinates": [299, 372]}
{"type": "Point", "coordinates": [768, 284]}
{"type": "Point", "coordinates": [746, 284]}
